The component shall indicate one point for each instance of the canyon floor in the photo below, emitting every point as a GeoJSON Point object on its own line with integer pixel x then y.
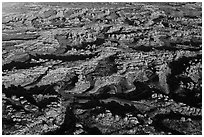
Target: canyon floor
{"type": "Point", "coordinates": [102, 68]}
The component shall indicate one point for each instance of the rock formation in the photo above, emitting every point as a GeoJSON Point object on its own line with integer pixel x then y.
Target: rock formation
{"type": "Point", "coordinates": [102, 68]}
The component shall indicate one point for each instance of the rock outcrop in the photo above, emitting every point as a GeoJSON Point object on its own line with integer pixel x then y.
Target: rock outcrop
{"type": "Point", "coordinates": [102, 68]}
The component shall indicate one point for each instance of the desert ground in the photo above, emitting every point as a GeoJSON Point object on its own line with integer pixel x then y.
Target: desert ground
{"type": "Point", "coordinates": [102, 68]}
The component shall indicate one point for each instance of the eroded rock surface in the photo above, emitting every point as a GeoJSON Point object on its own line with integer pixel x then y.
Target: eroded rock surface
{"type": "Point", "coordinates": [102, 68]}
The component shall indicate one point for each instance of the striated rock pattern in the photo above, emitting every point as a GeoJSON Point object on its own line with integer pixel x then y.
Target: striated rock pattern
{"type": "Point", "coordinates": [102, 68]}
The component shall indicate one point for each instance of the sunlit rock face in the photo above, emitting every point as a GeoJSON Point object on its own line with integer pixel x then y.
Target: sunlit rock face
{"type": "Point", "coordinates": [102, 68]}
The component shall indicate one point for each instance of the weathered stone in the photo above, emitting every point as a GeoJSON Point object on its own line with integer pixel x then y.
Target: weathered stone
{"type": "Point", "coordinates": [102, 68]}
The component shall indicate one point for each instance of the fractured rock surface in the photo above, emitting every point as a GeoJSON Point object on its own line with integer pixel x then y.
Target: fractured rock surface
{"type": "Point", "coordinates": [102, 68]}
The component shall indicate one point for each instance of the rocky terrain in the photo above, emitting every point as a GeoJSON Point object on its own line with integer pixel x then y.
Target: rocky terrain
{"type": "Point", "coordinates": [102, 68]}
